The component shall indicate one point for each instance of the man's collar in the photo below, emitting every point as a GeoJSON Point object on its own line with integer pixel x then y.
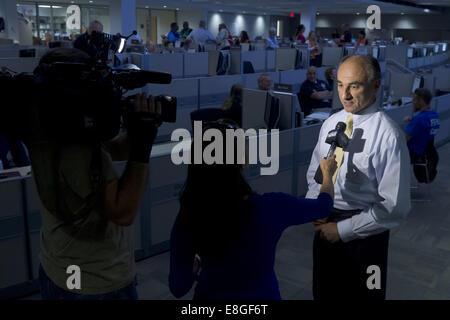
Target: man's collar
{"type": "Point", "coordinates": [364, 114]}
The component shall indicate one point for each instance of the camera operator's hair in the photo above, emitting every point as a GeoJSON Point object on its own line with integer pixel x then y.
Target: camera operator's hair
{"type": "Point", "coordinates": [424, 94]}
{"type": "Point", "coordinates": [64, 55]}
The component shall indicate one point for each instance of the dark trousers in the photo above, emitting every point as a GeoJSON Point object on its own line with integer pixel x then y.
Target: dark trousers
{"type": "Point", "coordinates": [340, 269]}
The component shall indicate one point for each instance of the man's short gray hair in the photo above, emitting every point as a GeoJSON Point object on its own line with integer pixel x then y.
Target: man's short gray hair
{"type": "Point", "coordinates": [273, 30]}
{"type": "Point", "coordinates": [370, 63]}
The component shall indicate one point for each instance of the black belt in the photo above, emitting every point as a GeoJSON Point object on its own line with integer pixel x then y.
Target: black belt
{"type": "Point", "coordinates": [339, 215]}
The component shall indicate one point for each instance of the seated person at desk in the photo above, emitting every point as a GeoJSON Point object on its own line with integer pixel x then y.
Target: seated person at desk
{"type": "Point", "coordinates": [272, 41]}
{"type": "Point", "coordinates": [330, 76]}
{"type": "Point", "coordinates": [314, 93]}
{"type": "Point", "coordinates": [422, 128]}
{"type": "Point", "coordinates": [186, 30]}
{"type": "Point", "coordinates": [200, 35]}
{"type": "Point", "coordinates": [233, 105]}
{"type": "Point", "coordinates": [168, 46]}
{"type": "Point", "coordinates": [243, 37]}
{"type": "Point", "coordinates": [362, 40]}
{"type": "Point", "coordinates": [173, 34]}
{"type": "Point", "coordinates": [264, 82]}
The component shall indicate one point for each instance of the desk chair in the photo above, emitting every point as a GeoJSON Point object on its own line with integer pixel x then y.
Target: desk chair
{"type": "Point", "coordinates": [424, 168]}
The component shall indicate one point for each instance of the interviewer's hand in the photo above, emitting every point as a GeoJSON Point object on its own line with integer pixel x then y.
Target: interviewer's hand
{"type": "Point", "coordinates": [328, 231]}
{"type": "Point", "coordinates": [328, 167]}
{"type": "Point", "coordinates": [320, 221]}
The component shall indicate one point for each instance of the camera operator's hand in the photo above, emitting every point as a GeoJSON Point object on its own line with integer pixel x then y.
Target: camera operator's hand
{"type": "Point", "coordinates": [143, 123]}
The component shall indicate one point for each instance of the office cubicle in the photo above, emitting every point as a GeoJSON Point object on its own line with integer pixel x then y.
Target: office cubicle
{"type": "Point", "coordinates": [215, 90]}
{"type": "Point", "coordinates": [250, 80]}
{"type": "Point", "coordinates": [171, 63]}
{"type": "Point", "coordinates": [285, 59]}
{"type": "Point", "coordinates": [331, 56]}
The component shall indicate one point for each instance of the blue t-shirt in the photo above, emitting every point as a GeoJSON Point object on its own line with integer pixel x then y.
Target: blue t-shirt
{"type": "Point", "coordinates": [251, 265]}
{"type": "Point", "coordinates": [173, 36]}
{"type": "Point", "coordinates": [422, 128]}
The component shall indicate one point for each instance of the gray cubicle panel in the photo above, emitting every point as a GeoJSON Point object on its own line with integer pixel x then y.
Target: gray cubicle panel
{"type": "Point", "coordinates": [270, 60]}
{"type": "Point", "coordinates": [401, 84]}
{"type": "Point", "coordinates": [429, 82]}
{"type": "Point", "coordinates": [13, 248]}
{"type": "Point", "coordinates": [321, 73]}
{"type": "Point", "coordinates": [186, 91]}
{"type": "Point", "coordinates": [34, 222]}
{"type": "Point", "coordinates": [9, 51]}
{"type": "Point", "coordinates": [196, 64]}
{"type": "Point", "coordinates": [134, 58]}
{"type": "Point", "coordinates": [164, 62]}
{"type": "Point", "coordinates": [331, 56]}
{"type": "Point", "coordinates": [251, 79]}
{"type": "Point", "coordinates": [442, 76]}
{"type": "Point", "coordinates": [257, 58]}
{"type": "Point", "coordinates": [443, 108]}
{"type": "Point", "coordinates": [166, 183]}
{"type": "Point", "coordinates": [305, 143]}
{"type": "Point", "coordinates": [215, 90]}
{"type": "Point", "coordinates": [282, 181]}
{"type": "Point", "coordinates": [285, 59]}
{"type": "Point", "coordinates": [294, 78]}
{"type": "Point", "coordinates": [399, 113]}
{"type": "Point", "coordinates": [397, 53]}
{"type": "Point", "coordinates": [20, 64]}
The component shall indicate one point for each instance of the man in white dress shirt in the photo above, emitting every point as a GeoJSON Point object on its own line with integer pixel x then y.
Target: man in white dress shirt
{"type": "Point", "coordinates": [201, 35]}
{"type": "Point", "coordinates": [371, 190]}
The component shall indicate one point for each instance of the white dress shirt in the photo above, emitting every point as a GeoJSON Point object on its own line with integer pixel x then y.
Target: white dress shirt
{"type": "Point", "coordinates": [374, 175]}
{"type": "Point", "coordinates": [200, 36]}
{"type": "Point", "coordinates": [222, 38]}
{"type": "Point", "coordinates": [273, 42]}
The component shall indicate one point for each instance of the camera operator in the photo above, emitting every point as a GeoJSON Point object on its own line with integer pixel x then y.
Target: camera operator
{"type": "Point", "coordinates": [86, 223]}
{"type": "Point", "coordinates": [82, 42]}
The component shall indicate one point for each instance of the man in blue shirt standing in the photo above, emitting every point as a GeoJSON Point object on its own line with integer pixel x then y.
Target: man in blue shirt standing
{"type": "Point", "coordinates": [173, 34]}
{"type": "Point", "coordinates": [422, 128]}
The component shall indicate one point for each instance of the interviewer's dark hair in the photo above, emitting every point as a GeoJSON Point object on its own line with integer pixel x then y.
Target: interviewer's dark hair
{"type": "Point", "coordinates": [424, 94]}
{"type": "Point", "coordinates": [212, 204]}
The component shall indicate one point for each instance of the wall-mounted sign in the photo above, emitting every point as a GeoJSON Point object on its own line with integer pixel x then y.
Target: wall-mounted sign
{"type": "Point", "coordinates": [73, 18]}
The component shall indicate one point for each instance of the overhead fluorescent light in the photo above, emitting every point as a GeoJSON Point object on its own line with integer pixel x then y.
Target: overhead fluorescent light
{"type": "Point", "coordinates": [426, 10]}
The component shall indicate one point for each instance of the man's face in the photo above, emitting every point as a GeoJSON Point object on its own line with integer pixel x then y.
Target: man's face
{"type": "Point", "coordinates": [311, 74]}
{"type": "Point", "coordinates": [175, 27]}
{"type": "Point", "coordinates": [264, 83]}
{"type": "Point", "coordinates": [185, 25]}
{"type": "Point", "coordinates": [355, 90]}
{"type": "Point", "coordinates": [417, 103]}
{"type": "Point", "coordinates": [97, 27]}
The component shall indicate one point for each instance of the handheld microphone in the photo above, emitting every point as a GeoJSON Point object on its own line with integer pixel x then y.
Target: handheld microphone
{"type": "Point", "coordinates": [333, 137]}
{"type": "Point", "coordinates": [336, 138]}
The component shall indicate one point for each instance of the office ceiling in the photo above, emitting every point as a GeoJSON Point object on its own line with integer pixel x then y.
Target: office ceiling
{"type": "Point", "coordinates": [282, 6]}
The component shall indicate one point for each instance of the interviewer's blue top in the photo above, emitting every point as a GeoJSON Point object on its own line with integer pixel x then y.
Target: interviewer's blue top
{"type": "Point", "coordinates": [422, 128]}
{"type": "Point", "coordinates": [249, 273]}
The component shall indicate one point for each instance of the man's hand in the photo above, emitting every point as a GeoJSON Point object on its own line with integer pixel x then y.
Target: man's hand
{"type": "Point", "coordinates": [328, 231]}
{"type": "Point", "coordinates": [407, 119]}
{"type": "Point", "coordinates": [319, 222]}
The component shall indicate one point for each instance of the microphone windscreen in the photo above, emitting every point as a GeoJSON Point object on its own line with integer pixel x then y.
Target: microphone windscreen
{"type": "Point", "coordinates": [340, 126]}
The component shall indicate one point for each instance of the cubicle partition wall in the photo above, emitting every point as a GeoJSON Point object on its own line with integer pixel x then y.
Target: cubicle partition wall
{"type": "Point", "coordinates": [250, 80]}
{"type": "Point", "coordinates": [285, 59]}
{"type": "Point", "coordinates": [171, 63]}
{"type": "Point", "coordinates": [443, 108]}
{"type": "Point", "coordinates": [20, 64]}
{"type": "Point", "coordinates": [257, 59]}
{"type": "Point", "coordinates": [331, 56]}
{"type": "Point", "coordinates": [187, 93]}
{"type": "Point", "coordinates": [294, 78]}
{"type": "Point", "coordinates": [195, 64]}
{"type": "Point", "coordinates": [214, 91]}
{"type": "Point", "coordinates": [442, 75]}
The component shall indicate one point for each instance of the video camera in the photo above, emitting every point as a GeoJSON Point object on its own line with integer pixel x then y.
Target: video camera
{"type": "Point", "coordinates": [70, 99]}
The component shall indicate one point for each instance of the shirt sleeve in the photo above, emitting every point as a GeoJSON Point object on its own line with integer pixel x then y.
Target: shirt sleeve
{"type": "Point", "coordinates": [306, 90]}
{"type": "Point", "coordinates": [313, 186]}
{"type": "Point", "coordinates": [392, 171]}
{"type": "Point", "coordinates": [182, 254]}
{"type": "Point", "coordinates": [415, 128]}
{"type": "Point", "coordinates": [292, 210]}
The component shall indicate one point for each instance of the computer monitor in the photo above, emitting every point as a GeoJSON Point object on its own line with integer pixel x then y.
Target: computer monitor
{"type": "Point", "coordinates": [444, 47]}
{"type": "Point", "coordinates": [436, 48]}
{"type": "Point", "coordinates": [410, 52]}
{"type": "Point", "coordinates": [253, 108]}
{"type": "Point", "coordinates": [416, 84]}
{"type": "Point", "coordinates": [375, 52]}
{"type": "Point", "coordinates": [289, 106]}
{"type": "Point", "coordinates": [424, 52]}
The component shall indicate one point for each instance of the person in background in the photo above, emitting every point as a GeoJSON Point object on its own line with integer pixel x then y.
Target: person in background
{"type": "Point", "coordinates": [272, 41]}
{"type": "Point", "coordinates": [362, 40]}
{"type": "Point", "coordinates": [422, 128]}
{"type": "Point", "coordinates": [346, 36]}
{"type": "Point", "coordinates": [48, 39]}
{"type": "Point", "coordinates": [173, 34]}
{"type": "Point", "coordinates": [225, 235]}
{"type": "Point", "coordinates": [186, 31]}
{"type": "Point", "coordinates": [82, 41]}
{"type": "Point", "coordinates": [264, 82]}
{"type": "Point", "coordinates": [243, 37]}
{"type": "Point", "coordinates": [168, 46]}
{"type": "Point", "coordinates": [330, 77]}
{"type": "Point", "coordinates": [201, 35]}
{"type": "Point", "coordinates": [314, 93]}
{"type": "Point", "coordinates": [315, 50]}
{"type": "Point", "coordinates": [299, 34]}
{"type": "Point", "coordinates": [223, 37]}
{"type": "Point", "coordinates": [233, 105]}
